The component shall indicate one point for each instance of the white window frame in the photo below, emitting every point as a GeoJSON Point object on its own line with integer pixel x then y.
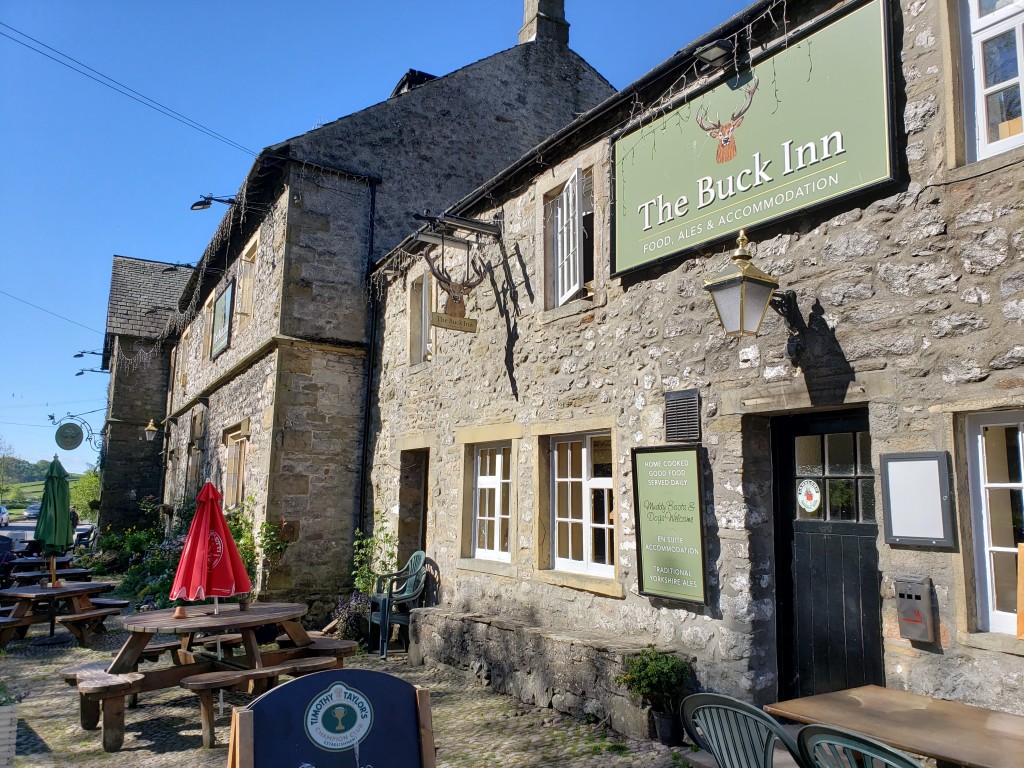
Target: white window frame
{"type": "Point", "coordinates": [562, 476]}
{"type": "Point", "coordinates": [989, 618]}
{"type": "Point", "coordinates": [421, 307]}
{"type": "Point", "coordinates": [976, 31]}
{"type": "Point", "coordinates": [498, 512]}
{"type": "Point", "coordinates": [245, 306]}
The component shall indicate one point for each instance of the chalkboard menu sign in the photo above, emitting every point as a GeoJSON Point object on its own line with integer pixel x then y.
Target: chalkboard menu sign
{"type": "Point", "coordinates": [669, 530]}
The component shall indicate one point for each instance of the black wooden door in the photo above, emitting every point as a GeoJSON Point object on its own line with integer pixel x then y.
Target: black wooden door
{"type": "Point", "coordinates": [829, 621]}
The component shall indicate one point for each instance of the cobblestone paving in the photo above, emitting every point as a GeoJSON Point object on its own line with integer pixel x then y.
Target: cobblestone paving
{"type": "Point", "coordinates": [472, 726]}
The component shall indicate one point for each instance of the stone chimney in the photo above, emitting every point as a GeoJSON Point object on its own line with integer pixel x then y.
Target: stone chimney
{"type": "Point", "coordinates": [544, 20]}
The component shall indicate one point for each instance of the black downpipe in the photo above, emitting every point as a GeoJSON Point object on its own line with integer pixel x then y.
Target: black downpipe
{"type": "Point", "coordinates": [374, 308]}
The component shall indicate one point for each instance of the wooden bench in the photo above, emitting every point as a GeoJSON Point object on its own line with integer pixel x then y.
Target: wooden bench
{"type": "Point", "coordinates": [204, 685]}
{"type": "Point", "coordinates": [82, 624]}
{"type": "Point", "coordinates": [332, 646]}
{"type": "Point", "coordinates": [104, 602]}
{"type": "Point", "coordinates": [228, 641]}
{"type": "Point", "coordinates": [95, 687]}
{"type": "Point", "coordinates": [71, 574]}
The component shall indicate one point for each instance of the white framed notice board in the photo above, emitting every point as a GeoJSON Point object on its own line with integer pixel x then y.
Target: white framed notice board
{"type": "Point", "coordinates": [916, 504]}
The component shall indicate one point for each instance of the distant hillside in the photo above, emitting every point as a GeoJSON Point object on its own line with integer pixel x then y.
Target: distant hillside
{"type": "Point", "coordinates": [15, 470]}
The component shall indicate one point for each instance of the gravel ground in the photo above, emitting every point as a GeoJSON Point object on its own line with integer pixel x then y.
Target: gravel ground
{"type": "Point", "coordinates": [472, 725]}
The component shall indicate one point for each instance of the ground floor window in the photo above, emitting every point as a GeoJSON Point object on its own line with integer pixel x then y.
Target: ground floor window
{"type": "Point", "coordinates": [582, 507]}
{"type": "Point", "coordinates": [492, 494]}
{"type": "Point", "coordinates": [236, 441]}
{"type": "Point", "coordinates": [996, 456]}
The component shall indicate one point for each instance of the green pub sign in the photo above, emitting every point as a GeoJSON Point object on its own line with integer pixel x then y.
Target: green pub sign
{"type": "Point", "coordinates": [802, 127]}
{"type": "Point", "coordinates": [669, 530]}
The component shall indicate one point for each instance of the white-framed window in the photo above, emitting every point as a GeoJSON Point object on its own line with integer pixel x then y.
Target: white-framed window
{"type": "Point", "coordinates": [569, 238]}
{"type": "Point", "coordinates": [996, 470]}
{"type": "Point", "coordinates": [246, 284]}
{"type": "Point", "coordinates": [236, 440]}
{"type": "Point", "coordinates": [993, 40]}
{"type": "Point", "coordinates": [492, 501]}
{"type": "Point", "coordinates": [421, 306]}
{"type": "Point", "coordinates": [582, 504]}
{"type": "Point", "coordinates": [182, 366]}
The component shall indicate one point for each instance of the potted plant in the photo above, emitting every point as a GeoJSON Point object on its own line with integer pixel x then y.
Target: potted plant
{"type": "Point", "coordinates": [8, 724]}
{"type": "Point", "coordinates": [662, 680]}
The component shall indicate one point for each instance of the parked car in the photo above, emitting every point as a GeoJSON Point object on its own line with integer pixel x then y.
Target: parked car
{"type": "Point", "coordinates": [5, 517]}
{"type": "Point", "coordinates": [32, 511]}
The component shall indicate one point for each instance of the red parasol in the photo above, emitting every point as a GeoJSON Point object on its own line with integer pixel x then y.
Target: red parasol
{"type": "Point", "coordinates": [210, 565]}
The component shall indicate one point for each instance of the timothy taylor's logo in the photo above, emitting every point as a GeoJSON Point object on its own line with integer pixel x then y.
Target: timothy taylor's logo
{"type": "Point", "coordinates": [215, 550]}
{"type": "Point", "coordinates": [338, 718]}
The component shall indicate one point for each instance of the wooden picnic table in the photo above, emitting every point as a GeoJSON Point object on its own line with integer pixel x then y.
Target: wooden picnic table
{"type": "Point", "coordinates": [75, 574]}
{"type": "Point", "coordinates": [32, 561]}
{"type": "Point", "coordinates": [68, 603]}
{"type": "Point", "coordinates": [951, 732]}
{"type": "Point", "coordinates": [122, 678]}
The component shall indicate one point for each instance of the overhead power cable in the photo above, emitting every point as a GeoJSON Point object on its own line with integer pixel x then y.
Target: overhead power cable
{"type": "Point", "coordinates": [121, 88]}
{"type": "Point", "coordinates": [42, 309]}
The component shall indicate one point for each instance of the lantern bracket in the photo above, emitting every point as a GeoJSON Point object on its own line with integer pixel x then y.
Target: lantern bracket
{"type": "Point", "coordinates": [785, 305]}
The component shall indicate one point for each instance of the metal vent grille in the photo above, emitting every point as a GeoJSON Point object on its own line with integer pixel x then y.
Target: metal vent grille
{"type": "Point", "coordinates": [682, 416]}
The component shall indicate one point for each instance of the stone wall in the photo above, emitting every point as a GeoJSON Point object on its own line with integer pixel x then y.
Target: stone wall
{"type": "Point", "coordinates": [131, 466]}
{"type": "Point", "coordinates": [912, 296]}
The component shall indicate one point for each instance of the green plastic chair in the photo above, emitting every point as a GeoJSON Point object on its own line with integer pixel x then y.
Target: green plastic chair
{"type": "Point", "coordinates": [394, 595]}
{"type": "Point", "coordinates": [737, 734]}
{"type": "Point", "coordinates": [825, 746]}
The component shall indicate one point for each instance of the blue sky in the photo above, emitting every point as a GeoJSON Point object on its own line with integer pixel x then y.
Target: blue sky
{"type": "Point", "coordinates": [89, 173]}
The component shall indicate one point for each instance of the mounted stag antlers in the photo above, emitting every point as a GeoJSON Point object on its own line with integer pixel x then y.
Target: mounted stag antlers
{"type": "Point", "coordinates": [457, 292]}
{"type": "Point", "coordinates": [724, 132]}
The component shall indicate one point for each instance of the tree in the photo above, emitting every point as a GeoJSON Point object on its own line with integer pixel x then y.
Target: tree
{"type": "Point", "coordinates": [84, 490]}
{"type": "Point", "coordinates": [5, 456]}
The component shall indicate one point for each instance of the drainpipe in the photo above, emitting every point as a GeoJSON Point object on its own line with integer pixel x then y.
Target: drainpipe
{"type": "Point", "coordinates": [364, 470]}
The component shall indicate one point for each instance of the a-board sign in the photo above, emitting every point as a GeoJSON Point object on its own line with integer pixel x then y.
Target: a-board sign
{"type": "Point", "coordinates": [669, 529]}
{"type": "Point", "coordinates": [463, 324]}
{"type": "Point", "coordinates": [347, 717]}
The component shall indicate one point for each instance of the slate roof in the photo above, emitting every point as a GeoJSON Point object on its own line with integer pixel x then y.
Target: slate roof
{"type": "Point", "coordinates": [142, 298]}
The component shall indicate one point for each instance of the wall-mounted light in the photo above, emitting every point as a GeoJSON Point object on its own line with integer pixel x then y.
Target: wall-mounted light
{"type": "Point", "coordinates": [715, 53]}
{"type": "Point", "coordinates": [85, 352]}
{"type": "Point", "coordinates": [743, 293]}
{"type": "Point", "coordinates": [151, 430]}
{"type": "Point", "coordinates": [205, 200]}
{"type": "Point", "coordinates": [91, 370]}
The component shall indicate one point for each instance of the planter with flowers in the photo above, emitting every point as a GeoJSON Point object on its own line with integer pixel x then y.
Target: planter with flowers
{"type": "Point", "coordinates": [662, 680]}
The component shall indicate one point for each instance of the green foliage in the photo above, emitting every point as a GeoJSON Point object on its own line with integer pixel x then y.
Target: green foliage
{"type": "Point", "coordinates": [659, 678]}
{"type": "Point", "coordinates": [6, 697]}
{"type": "Point", "coordinates": [85, 490]}
{"type": "Point", "coordinates": [266, 542]}
{"type": "Point", "coordinates": [372, 555]}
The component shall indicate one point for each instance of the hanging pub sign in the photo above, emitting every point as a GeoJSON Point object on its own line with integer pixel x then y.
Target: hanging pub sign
{"type": "Point", "coordinates": [669, 523]}
{"type": "Point", "coordinates": [803, 127]}
{"type": "Point", "coordinates": [463, 324]}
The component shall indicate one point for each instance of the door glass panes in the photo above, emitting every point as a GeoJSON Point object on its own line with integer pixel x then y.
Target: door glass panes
{"type": "Point", "coordinates": [1004, 581]}
{"type": "Point", "coordinates": [867, 500]}
{"type": "Point", "coordinates": [839, 451]}
{"type": "Point", "coordinates": [808, 455]}
{"type": "Point", "coordinates": [864, 466]}
{"type": "Point", "coordinates": [834, 477]}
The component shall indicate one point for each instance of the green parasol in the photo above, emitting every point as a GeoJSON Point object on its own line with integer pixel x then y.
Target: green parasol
{"type": "Point", "coordinates": [54, 527]}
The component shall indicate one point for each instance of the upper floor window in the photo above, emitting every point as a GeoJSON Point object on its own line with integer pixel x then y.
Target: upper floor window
{"type": "Point", "coordinates": [246, 285]}
{"type": "Point", "coordinates": [220, 324]}
{"type": "Point", "coordinates": [492, 494]}
{"type": "Point", "coordinates": [582, 508]}
{"type": "Point", "coordinates": [569, 238]}
{"type": "Point", "coordinates": [182, 366]}
{"type": "Point", "coordinates": [994, 50]}
{"type": "Point", "coordinates": [421, 306]}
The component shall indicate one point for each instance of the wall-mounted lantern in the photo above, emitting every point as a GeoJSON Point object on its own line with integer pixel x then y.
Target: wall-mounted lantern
{"type": "Point", "coordinates": [151, 430]}
{"type": "Point", "coordinates": [743, 293]}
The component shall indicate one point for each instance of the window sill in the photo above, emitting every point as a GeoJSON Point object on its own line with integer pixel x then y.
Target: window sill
{"type": "Point", "coordinates": [992, 641]}
{"type": "Point", "coordinates": [986, 165]}
{"type": "Point", "coordinates": [493, 567]}
{"type": "Point", "coordinates": [582, 582]}
{"type": "Point", "coordinates": [573, 308]}
{"type": "Point", "coordinates": [415, 368]}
